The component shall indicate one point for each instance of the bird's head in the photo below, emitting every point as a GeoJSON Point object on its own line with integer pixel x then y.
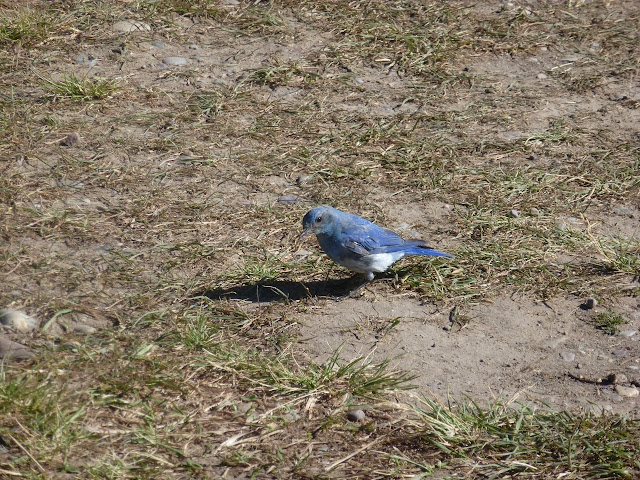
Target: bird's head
{"type": "Point", "coordinates": [318, 220]}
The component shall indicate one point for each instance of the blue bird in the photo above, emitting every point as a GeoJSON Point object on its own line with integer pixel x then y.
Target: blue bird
{"type": "Point", "coordinates": [358, 244]}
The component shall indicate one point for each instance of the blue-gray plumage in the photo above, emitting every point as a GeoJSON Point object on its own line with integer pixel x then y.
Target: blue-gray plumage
{"type": "Point", "coordinates": [358, 244]}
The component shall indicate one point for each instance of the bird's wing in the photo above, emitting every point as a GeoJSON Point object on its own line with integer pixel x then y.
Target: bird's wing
{"type": "Point", "coordinates": [371, 239]}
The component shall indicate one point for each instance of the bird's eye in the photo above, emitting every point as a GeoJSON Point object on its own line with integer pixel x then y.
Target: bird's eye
{"type": "Point", "coordinates": [319, 219]}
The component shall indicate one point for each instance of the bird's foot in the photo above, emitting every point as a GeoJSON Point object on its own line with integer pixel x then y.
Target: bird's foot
{"type": "Point", "coordinates": [353, 292]}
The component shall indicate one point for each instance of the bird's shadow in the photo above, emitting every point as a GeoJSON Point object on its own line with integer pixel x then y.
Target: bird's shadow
{"type": "Point", "coordinates": [272, 290]}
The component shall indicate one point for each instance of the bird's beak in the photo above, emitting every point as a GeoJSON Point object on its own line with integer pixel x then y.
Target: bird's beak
{"type": "Point", "coordinates": [304, 232]}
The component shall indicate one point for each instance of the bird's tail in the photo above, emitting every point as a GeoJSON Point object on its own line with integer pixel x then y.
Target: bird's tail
{"type": "Point", "coordinates": [418, 250]}
{"type": "Point", "coordinates": [426, 251]}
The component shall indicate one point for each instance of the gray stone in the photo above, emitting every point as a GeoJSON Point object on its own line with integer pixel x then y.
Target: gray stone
{"type": "Point", "coordinates": [289, 198]}
{"type": "Point", "coordinates": [70, 140]}
{"type": "Point", "coordinates": [568, 356]}
{"type": "Point", "coordinates": [555, 342]}
{"type": "Point", "coordinates": [628, 392]}
{"type": "Point", "coordinates": [535, 212]}
{"type": "Point", "coordinates": [590, 303]}
{"type": "Point", "coordinates": [84, 59]}
{"type": "Point", "coordinates": [10, 349]}
{"type": "Point", "coordinates": [157, 43]}
{"type": "Point", "coordinates": [175, 61]}
{"type": "Point", "coordinates": [245, 407]}
{"type": "Point", "coordinates": [628, 333]}
{"type": "Point", "coordinates": [84, 329]}
{"type": "Point", "coordinates": [355, 415]}
{"type": "Point", "coordinates": [18, 320]}
{"type": "Point", "coordinates": [620, 210]}
{"type": "Point", "coordinates": [303, 179]}
{"type": "Point", "coordinates": [67, 182]}
{"type": "Point", "coordinates": [513, 213]}
{"type": "Point", "coordinates": [619, 353]}
{"type": "Point", "coordinates": [291, 417]}
{"type": "Point", "coordinates": [131, 26]}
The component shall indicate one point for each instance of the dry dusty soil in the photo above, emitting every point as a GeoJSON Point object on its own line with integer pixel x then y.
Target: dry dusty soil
{"type": "Point", "coordinates": [505, 133]}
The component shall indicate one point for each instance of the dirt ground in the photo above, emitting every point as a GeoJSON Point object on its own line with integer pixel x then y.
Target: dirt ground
{"type": "Point", "coordinates": [509, 345]}
{"type": "Point", "coordinates": [192, 179]}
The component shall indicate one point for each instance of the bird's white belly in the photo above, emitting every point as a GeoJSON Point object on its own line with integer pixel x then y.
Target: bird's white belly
{"type": "Point", "coordinates": [377, 262]}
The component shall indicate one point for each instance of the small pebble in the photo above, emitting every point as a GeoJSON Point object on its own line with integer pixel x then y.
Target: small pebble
{"type": "Point", "coordinates": [303, 179]}
{"type": "Point", "coordinates": [67, 182]}
{"type": "Point", "coordinates": [131, 26]}
{"type": "Point", "coordinates": [10, 349]}
{"type": "Point", "coordinates": [302, 253]}
{"type": "Point", "coordinates": [568, 356]}
{"type": "Point", "coordinates": [289, 198]}
{"type": "Point", "coordinates": [622, 210]}
{"type": "Point", "coordinates": [87, 60]}
{"type": "Point", "coordinates": [618, 97]}
{"type": "Point", "coordinates": [157, 43]}
{"type": "Point", "coordinates": [244, 407]}
{"type": "Point", "coordinates": [591, 303]}
{"type": "Point", "coordinates": [627, 391]}
{"type": "Point", "coordinates": [291, 416]}
{"type": "Point", "coordinates": [535, 212]}
{"type": "Point", "coordinates": [617, 378]}
{"type": "Point", "coordinates": [70, 140]}
{"type": "Point", "coordinates": [555, 342]}
{"type": "Point", "coordinates": [84, 329]}
{"type": "Point", "coordinates": [513, 213]}
{"type": "Point", "coordinates": [17, 319]}
{"type": "Point", "coordinates": [619, 352]}
{"type": "Point", "coordinates": [628, 333]}
{"type": "Point", "coordinates": [355, 415]}
{"type": "Point", "coordinates": [542, 76]}
{"type": "Point", "coordinates": [175, 61]}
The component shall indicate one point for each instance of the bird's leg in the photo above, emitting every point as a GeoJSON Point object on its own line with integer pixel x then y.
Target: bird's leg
{"type": "Point", "coordinates": [368, 278]}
